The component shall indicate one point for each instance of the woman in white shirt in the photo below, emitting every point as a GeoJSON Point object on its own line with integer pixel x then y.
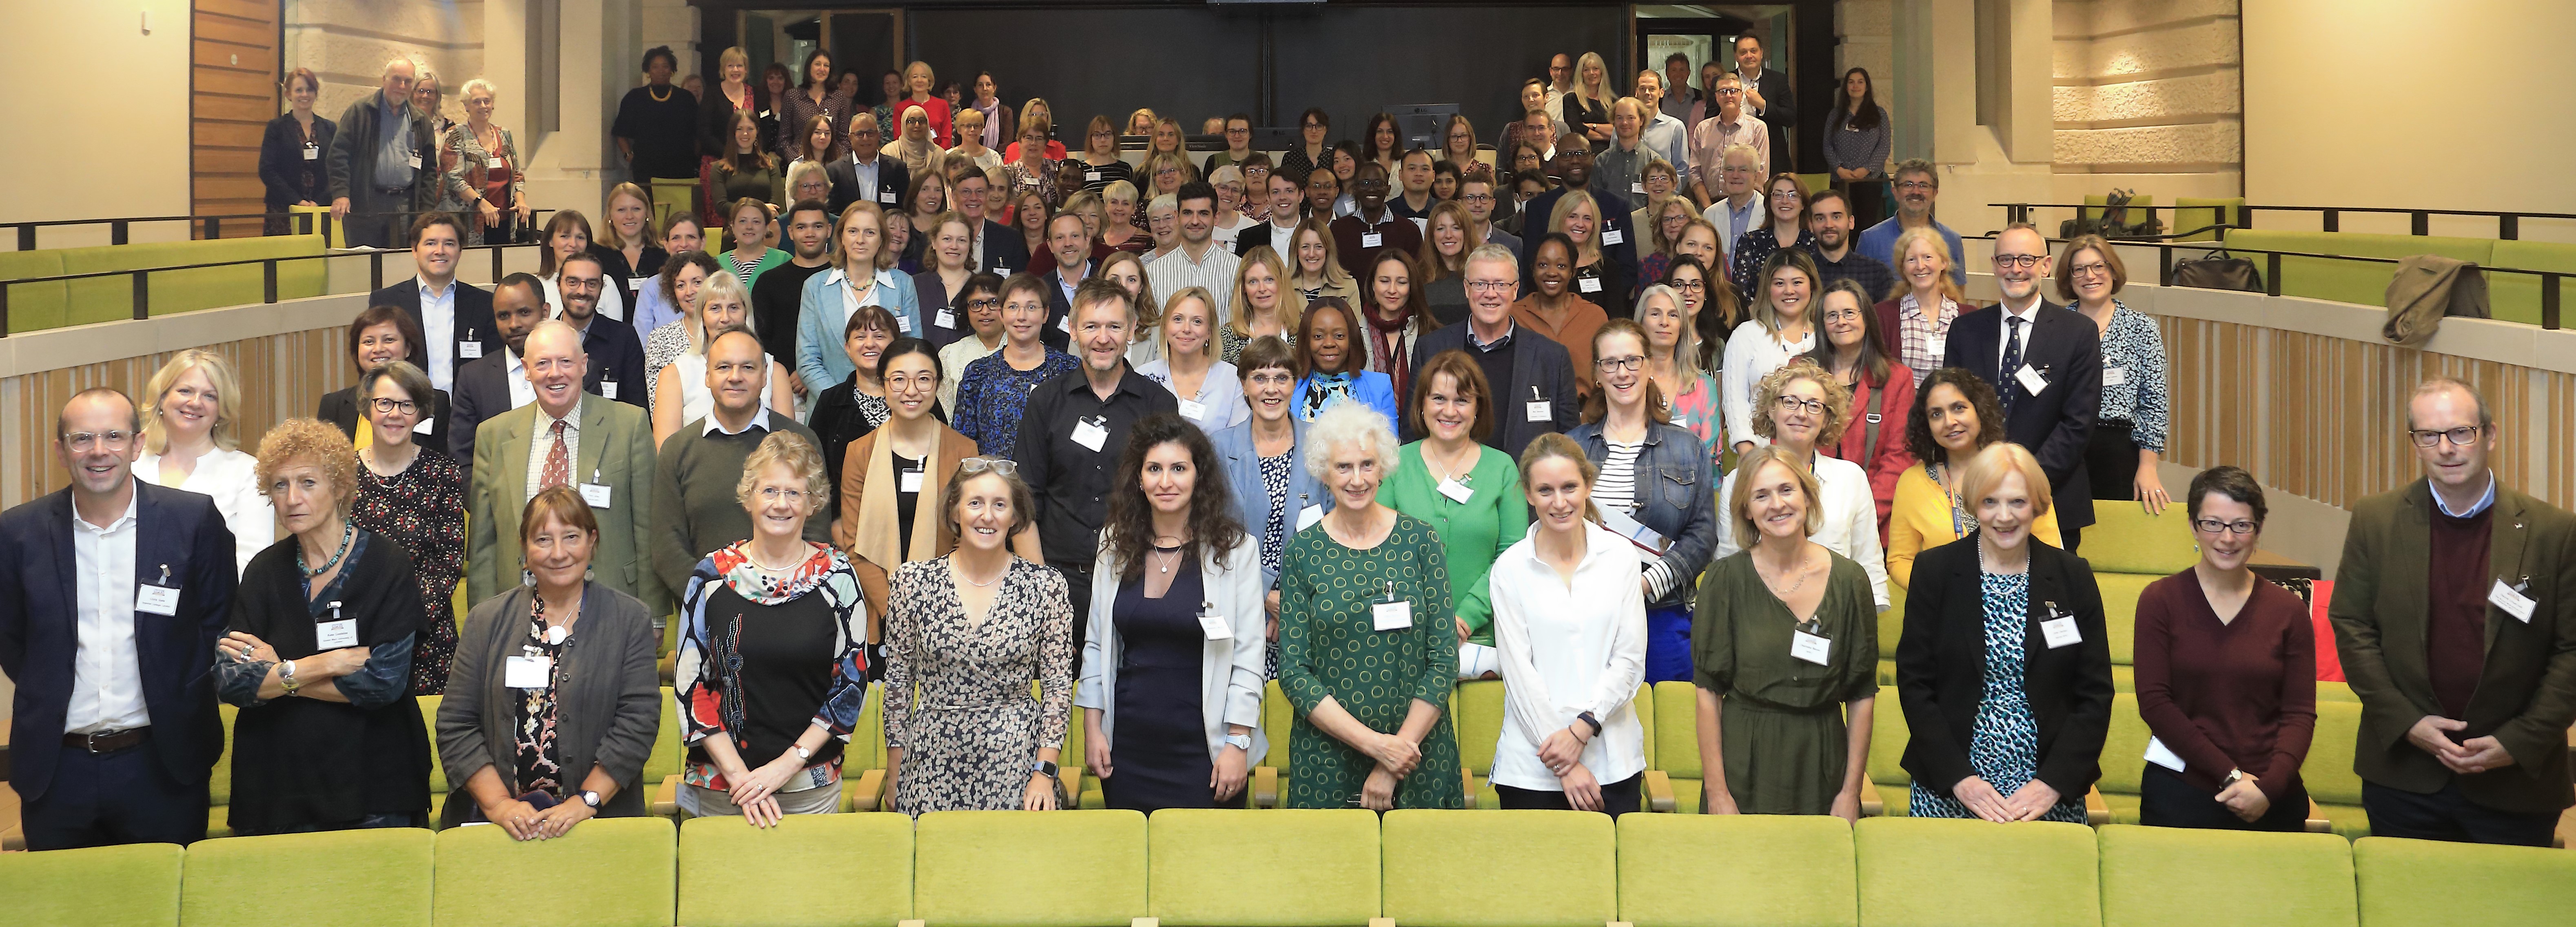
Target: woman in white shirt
{"type": "Point", "coordinates": [1781, 328]}
{"type": "Point", "coordinates": [1799, 403]}
{"type": "Point", "coordinates": [1211, 397]}
{"type": "Point", "coordinates": [1570, 622]}
{"type": "Point", "coordinates": [191, 409]}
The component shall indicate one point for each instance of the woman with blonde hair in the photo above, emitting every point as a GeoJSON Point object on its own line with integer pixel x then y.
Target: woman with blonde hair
{"type": "Point", "coordinates": [1672, 363]}
{"type": "Point", "coordinates": [625, 246]}
{"type": "Point", "coordinates": [1803, 408]}
{"type": "Point", "coordinates": [1570, 629]}
{"type": "Point", "coordinates": [1781, 328]}
{"type": "Point", "coordinates": [1600, 276]}
{"type": "Point", "coordinates": [920, 83]}
{"type": "Point", "coordinates": [1121, 224]}
{"type": "Point", "coordinates": [1317, 264]}
{"type": "Point", "coordinates": [862, 274]}
{"type": "Point", "coordinates": [1261, 290]}
{"type": "Point", "coordinates": [1917, 319]}
{"type": "Point", "coordinates": [1166, 171]}
{"type": "Point", "coordinates": [1127, 270]}
{"type": "Point", "coordinates": [1210, 395]}
{"type": "Point", "coordinates": [191, 440]}
{"type": "Point", "coordinates": [1654, 488]}
{"type": "Point", "coordinates": [723, 305]}
{"type": "Point", "coordinates": [1586, 106]}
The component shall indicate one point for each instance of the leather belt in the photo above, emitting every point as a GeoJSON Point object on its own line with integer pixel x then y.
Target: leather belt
{"type": "Point", "coordinates": [108, 741]}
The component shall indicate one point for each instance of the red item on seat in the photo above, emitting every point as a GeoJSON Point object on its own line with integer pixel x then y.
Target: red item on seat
{"type": "Point", "coordinates": [2329, 658]}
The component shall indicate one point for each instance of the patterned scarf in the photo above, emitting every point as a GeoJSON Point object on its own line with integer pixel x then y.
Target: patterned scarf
{"type": "Point", "coordinates": [1323, 389]}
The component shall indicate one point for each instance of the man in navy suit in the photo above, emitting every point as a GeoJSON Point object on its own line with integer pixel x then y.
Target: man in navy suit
{"type": "Point", "coordinates": [2048, 374]}
{"type": "Point", "coordinates": [866, 175]}
{"type": "Point", "coordinates": [498, 382]}
{"type": "Point", "coordinates": [112, 593]}
{"type": "Point", "coordinates": [1532, 377]}
{"type": "Point", "coordinates": [455, 317]}
{"type": "Point", "coordinates": [998, 248]}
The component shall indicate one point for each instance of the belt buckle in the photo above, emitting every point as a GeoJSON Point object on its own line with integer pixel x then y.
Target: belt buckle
{"type": "Point", "coordinates": [92, 738]}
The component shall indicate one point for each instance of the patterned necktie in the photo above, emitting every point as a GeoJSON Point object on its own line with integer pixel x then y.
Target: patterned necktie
{"type": "Point", "coordinates": [558, 470]}
{"type": "Point", "coordinates": [2004, 382]}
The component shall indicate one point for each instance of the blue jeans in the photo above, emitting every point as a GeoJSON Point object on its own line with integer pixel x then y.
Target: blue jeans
{"type": "Point", "coordinates": [1668, 644]}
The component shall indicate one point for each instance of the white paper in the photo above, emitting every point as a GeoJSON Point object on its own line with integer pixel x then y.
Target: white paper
{"type": "Point", "coordinates": [312, 154]}
{"type": "Point", "coordinates": [1309, 516]}
{"type": "Point", "coordinates": [414, 161]}
{"type": "Point", "coordinates": [1811, 648]}
{"type": "Point", "coordinates": [1541, 411]}
{"type": "Point", "coordinates": [1613, 237]}
{"type": "Point", "coordinates": [2514, 603]}
{"type": "Point", "coordinates": [2115, 376]}
{"type": "Point", "coordinates": [887, 197]}
{"type": "Point", "coordinates": [491, 164]}
{"type": "Point", "coordinates": [426, 425]}
{"type": "Point", "coordinates": [595, 494]}
{"type": "Point", "coordinates": [469, 350]}
{"type": "Point", "coordinates": [1371, 239]}
{"type": "Point", "coordinates": [1588, 284]}
{"type": "Point", "coordinates": [2162, 755]}
{"type": "Point", "coordinates": [333, 635]}
{"type": "Point", "coordinates": [1090, 435]}
{"type": "Point", "coordinates": [2060, 632]}
{"type": "Point", "coordinates": [159, 600]}
{"type": "Point", "coordinates": [1214, 626]}
{"type": "Point", "coordinates": [607, 389]}
{"type": "Point", "coordinates": [947, 318]}
{"type": "Point", "coordinates": [2031, 380]}
{"type": "Point", "coordinates": [1065, 324]}
{"type": "Point", "coordinates": [903, 322]}
{"type": "Point", "coordinates": [1393, 616]}
{"type": "Point", "coordinates": [527, 672]}
{"type": "Point", "coordinates": [911, 481]}
{"type": "Point", "coordinates": [1456, 491]}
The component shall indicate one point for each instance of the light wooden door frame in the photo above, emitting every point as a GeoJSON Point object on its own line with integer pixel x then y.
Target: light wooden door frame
{"type": "Point", "coordinates": [234, 54]}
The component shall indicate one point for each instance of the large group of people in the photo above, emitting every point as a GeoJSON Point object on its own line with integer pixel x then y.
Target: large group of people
{"type": "Point", "coordinates": [988, 412]}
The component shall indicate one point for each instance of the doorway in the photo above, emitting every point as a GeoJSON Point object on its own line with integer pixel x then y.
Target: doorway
{"type": "Point", "coordinates": [866, 42]}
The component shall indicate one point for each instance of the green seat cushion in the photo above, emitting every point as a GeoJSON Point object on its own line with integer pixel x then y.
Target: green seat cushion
{"type": "Point", "coordinates": [1677, 740]}
{"type": "Point", "coordinates": [336, 877]}
{"type": "Point", "coordinates": [2349, 822]}
{"type": "Point", "coordinates": [668, 754]}
{"type": "Point", "coordinates": [2327, 771]}
{"type": "Point", "coordinates": [1927, 872]}
{"type": "Point", "coordinates": [1729, 870]}
{"type": "Point", "coordinates": [1476, 708]}
{"type": "Point", "coordinates": [2124, 808]}
{"type": "Point", "coordinates": [627, 865]}
{"type": "Point", "coordinates": [1888, 735]}
{"type": "Point", "coordinates": [1289, 868]}
{"type": "Point", "coordinates": [106, 299]}
{"type": "Point", "coordinates": [34, 306]}
{"type": "Point", "coordinates": [1067, 868]}
{"type": "Point", "coordinates": [2172, 877]}
{"type": "Point", "coordinates": [2425, 882]}
{"type": "Point", "coordinates": [2124, 750]}
{"type": "Point", "coordinates": [2358, 282]}
{"type": "Point", "coordinates": [812, 870]}
{"type": "Point", "coordinates": [1572, 884]}
{"type": "Point", "coordinates": [114, 886]}
{"type": "Point", "coordinates": [2514, 297]}
{"type": "Point", "coordinates": [2125, 539]}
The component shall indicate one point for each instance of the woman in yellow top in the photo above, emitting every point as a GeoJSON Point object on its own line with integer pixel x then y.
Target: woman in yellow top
{"type": "Point", "coordinates": [1956, 414]}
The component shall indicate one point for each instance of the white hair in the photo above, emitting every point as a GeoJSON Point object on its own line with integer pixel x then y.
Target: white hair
{"type": "Point", "coordinates": [1492, 253]}
{"type": "Point", "coordinates": [477, 84]}
{"type": "Point", "coordinates": [1345, 423]}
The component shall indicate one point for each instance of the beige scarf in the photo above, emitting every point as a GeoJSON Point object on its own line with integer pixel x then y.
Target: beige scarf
{"type": "Point", "coordinates": [876, 541]}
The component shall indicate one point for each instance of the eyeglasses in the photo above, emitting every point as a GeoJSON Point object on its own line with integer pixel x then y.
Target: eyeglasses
{"type": "Point", "coordinates": [1802, 404]}
{"type": "Point", "coordinates": [777, 494]}
{"type": "Point", "coordinates": [1368, 185]}
{"type": "Point", "coordinates": [1917, 185]}
{"type": "Point", "coordinates": [1476, 197]}
{"type": "Point", "coordinates": [1270, 379]}
{"type": "Point", "coordinates": [404, 406]}
{"type": "Point", "coordinates": [84, 440]}
{"type": "Point", "coordinates": [2089, 269]}
{"type": "Point", "coordinates": [982, 303]}
{"type": "Point", "coordinates": [1610, 364]}
{"type": "Point", "coordinates": [2214, 526]}
{"type": "Point", "coordinates": [1003, 466]}
{"type": "Point", "coordinates": [1490, 286]}
{"type": "Point", "coordinates": [2019, 260]}
{"type": "Point", "coordinates": [2462, 436]}
{"type": "Point", "coordinates": [1836, 315]}
{"type": "Point", "coordinates": [1688, 286]}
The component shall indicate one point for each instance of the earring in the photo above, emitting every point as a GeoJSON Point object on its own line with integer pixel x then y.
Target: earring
{"type": "Point", "coordinates": [527, 577]}
{"type": "Point", "coordinates": [589, 574]}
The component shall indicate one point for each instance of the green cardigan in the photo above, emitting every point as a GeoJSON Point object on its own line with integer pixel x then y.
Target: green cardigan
{"type": "Point", "coordinates": [1473, 533]}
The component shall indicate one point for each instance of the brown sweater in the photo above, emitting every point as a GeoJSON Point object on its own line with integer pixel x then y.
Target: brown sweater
{"type": "Point", "coordinates": [2239, 695]}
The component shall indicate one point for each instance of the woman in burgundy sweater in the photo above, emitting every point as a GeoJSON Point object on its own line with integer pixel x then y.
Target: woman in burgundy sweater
{"type": "Point", "coordinates": [2226, 669]}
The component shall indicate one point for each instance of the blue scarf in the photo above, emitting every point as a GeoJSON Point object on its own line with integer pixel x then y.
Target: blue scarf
{"type": "Point", "coordinates": [1323, 389]}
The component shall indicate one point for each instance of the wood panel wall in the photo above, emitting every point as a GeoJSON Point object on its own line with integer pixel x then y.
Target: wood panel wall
{"type": "Point", "coordinates": [232, 94]}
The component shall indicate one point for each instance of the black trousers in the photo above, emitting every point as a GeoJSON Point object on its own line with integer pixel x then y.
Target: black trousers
{"type": "Point", "coordinates": [123, 796]}
{"type": "Point", "coordinates": [2450, 815]}
{"type": "Point", "coordinates": [2166, 799]}
{"type": "Point", "coordinates": [1868, 200]}
{"type": "Point", "coordinates": [1077, 589]}
{"type": "Point", "coordinates": [1617, 798]}
{"type": "Point", "coordinates": [2111, 460]}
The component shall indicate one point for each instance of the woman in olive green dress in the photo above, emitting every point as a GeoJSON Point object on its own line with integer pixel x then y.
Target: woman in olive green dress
{"type": "Point", "coordinates": [1367, 646]}
{"type": "Point", "coordinates": [1784, 638]}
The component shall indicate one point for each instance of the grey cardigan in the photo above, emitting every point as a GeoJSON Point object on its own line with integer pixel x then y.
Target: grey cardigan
{"type": "Point", "coordinates": [608, 708]}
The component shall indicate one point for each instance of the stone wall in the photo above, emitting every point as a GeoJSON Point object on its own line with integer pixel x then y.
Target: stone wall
{"type": "Point", "coordinates": [2147, 87]}
{"type": "Point", "coordinates": [347, 42]}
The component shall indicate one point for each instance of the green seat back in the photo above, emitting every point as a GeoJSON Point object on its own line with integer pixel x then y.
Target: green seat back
{"type": "Point", "coordinates": [2173, 876]}
{"type": "Point", "coordinates": [2357, 282]}
{"type": "Point", "coordinates": [1814, 182]}
{"type": "Point", "coordinates": [2327, 772]}
{"type": "Point", "coordinates": [667, 753]}
{"type": "Point", "coordinates": [375, 877]}
{"type": "Point", "coordinates": [812, 870]}
{"type": "Point", "coordinates": [2098, 200]}
{"type": "Point", "coordinates": [438, 784]}
{"type": "Point", "coordinates": [1888, 735]}
{"type": "Point", "coordinates": [2191, 212]}
{"type": "Point", "coordinates": [1644, 704]}
{"type": "Point", "coordinates": [1573, 883]}
{"type": "Point", "coordinates": [627, 876]}
{"type": "Point", "coordinates": [2427, 882]}
{"type": "Point", "coordinates": [1277, 719]}
{"type": "Point", "coordinates": [106, 299]}
{"type": "Point", "coordinates": [1065, 869]}
{"type": "Point", "coordinates": [1891, 623]}
{"type": "Point", "coordinates": [34, 306]}
{"type": "Point", "coordinates": [219, 783]}
{"type": "Point", "coordinates": [2514, 297]}
{"type": "Point", "coordinates": [1677, 736]}
{"type": "Point", "coordinates": [1476, 710]}
{"type": "Point", "coordinates": [1736, 871]}
{"type": "Point", "coordinates": [2332, 691]}
{"type": "Point", "coordinates": [133, 885]}
{"type": "Point", "coordinates": [2120, 593]}
{"type": "Point", "coordinates": [1941, 872]}
{"type": "Point", "coordinates": [2124, 750]}
{"type": "Point", "coordinates": [2125, 539]}
{"type": "Point", "coordinates": [1215, 867]}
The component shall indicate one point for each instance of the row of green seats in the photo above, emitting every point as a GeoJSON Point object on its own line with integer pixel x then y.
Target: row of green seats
{"type": "Point", "coordinates": [1320, 868]}
{"type": "Point", "coordinates": [40, 306]}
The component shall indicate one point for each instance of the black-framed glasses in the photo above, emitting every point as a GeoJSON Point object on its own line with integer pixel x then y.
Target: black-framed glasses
{"type": "Point", "coordinates": [383, 405]}
{"type": "Point", "coordinates": [2023, 261]}
{"type": "Point", "coordinates": [2462, 436]}
{"type": "Point", "coordinates": [1802, 404]}
{"type": "Point", "coordinates": [984, 303]}
{"type": "Point", "coordinates": [2214, 526]}
{"type": "Point", "coordinates": [1611, 364]}
{"type": "Point", "coordinates": [1476, 197]}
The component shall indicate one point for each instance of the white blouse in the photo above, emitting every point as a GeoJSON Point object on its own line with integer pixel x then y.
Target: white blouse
{"type": "Point", "coordinates": [232, 478]}
{"type": "Point", "coordinates": [1220, 400]}
{"type": "Point", "coordinates": [1851, 519]}
{"type": "Point", "coordinates": [1751, 354]}
{"type": "Point", "coordinates": [1567, 649]}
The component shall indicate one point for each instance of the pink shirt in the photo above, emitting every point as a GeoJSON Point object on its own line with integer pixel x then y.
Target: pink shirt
{"type": "Point", "coordinates": [1711, 138]}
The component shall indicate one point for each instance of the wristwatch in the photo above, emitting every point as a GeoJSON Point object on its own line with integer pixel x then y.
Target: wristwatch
{"type": "Point", "coordinates": [1241, 742]}
{"type": "Point", "coordinates": [286, 677]}
{"type": "Point", "coordinates": [2233, 776]}
{"type": "Point", "coordinates": [590, 798]}
{"type": "Point", "coordinates": [1044, 768]}
{"type": "Point", "coordinates": [803, 755]}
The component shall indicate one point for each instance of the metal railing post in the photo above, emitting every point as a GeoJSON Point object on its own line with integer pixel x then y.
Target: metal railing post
{"type": "Point", "coordinates": [214, 227]}
{"type": "Point", "coordinates": [2508, 226]}
{"type": "Point", "coordinates": [2272, 274]}
{"type": "Point", "coordinates": [2548, 301]}
{"type": "Point", "coordinates": [496, 265]}
{"type": "Point", "coordinates": [2423, 222]}
{"type": "Point", "coordinates": [116, 232]}
{"type": "Point", "coordinates": [2334, 220]}
{"type": "Point", "coordinates": [26, 237]}
{"type": "Point", "coordinates": [375, 271]}
{"type": "Point", "coordinates": [4, 310]}
{"type": "Point", "coordinates": [142, 295]}
{"type": "Point", "coordinates": [2164, 264]}
{"type": "Point", "coordinates": [268, 280]}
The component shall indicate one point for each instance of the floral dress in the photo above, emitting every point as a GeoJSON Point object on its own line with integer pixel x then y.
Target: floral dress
{"type": "Point", "coordinates": [532, 725]}
{"type": "Point", "coordinates": [1696, 410]}
{"type": "Point", "coordinates": [1275, 475]}
{"type": "Point", "coordinates": [423, 509]}
{"type": "Point", "coordinates": [969, 732]}
{"type": "Point", "coordinates": [993, 394]}
{"type": "Point", "coordinates": [2004, 747]}
{"type": "Point", "coordinates": [1229, 346]}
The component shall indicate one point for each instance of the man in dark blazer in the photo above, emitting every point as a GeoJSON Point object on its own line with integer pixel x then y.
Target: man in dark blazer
{"type": "Point", "coordinates": [1536, 393]}
{"type": "Point", "coordinates": [460, 331]}
{"type": "Point", "coordinates": [616, 352]}
{"type": "Point", "coordinates": [998, 248]}
{"type": "Point", "coordinates": [1072, 246]}
{"type": "Point", "coordinates": [1767, 97]}
{"type": "Point", "coordinates": [1618, 240]}
{"type": "Point", "coordinates": [112, 594]}
{"type": "Point", "coordinates": [2052, 387]}
{"type": "Point", "coordinates": [866, 174]}
{"type": "Point", "coordinates": [2455, 612]}
{"type": "Point", "coordinates": [383, 164]}
{"type": "Point", "coordinates": [497, 382]}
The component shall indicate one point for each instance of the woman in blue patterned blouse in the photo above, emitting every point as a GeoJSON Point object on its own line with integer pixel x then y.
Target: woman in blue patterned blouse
{"type": "Point", "coordinates": [2129, 435]}
{"type": "Point", "coordinates": [995, 388]}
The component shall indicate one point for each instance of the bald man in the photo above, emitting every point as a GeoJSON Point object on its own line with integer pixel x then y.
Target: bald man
{"type": "Point", "coordinates": [571, 438]}
{"type": "Point", "coordinates": [381, 166]}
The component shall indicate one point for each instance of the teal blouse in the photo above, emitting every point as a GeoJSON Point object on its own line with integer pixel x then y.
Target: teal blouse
{"type": "Point", "coordinates": [1472, 533]}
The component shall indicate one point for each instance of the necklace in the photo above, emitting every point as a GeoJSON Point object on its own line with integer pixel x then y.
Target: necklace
{"type": "Point", "coordinates": [1803, 573]}
{"type": "Point", "coordinates": [662, 97]}
{"type": "Point", "coordinates": [1173, 552]}
{"type": "Point", "coordinates": [752, 555]}
{"type": "Point", "coordinates": [348, 530]}
{"type": "Point", "coordinates": [997, 577]}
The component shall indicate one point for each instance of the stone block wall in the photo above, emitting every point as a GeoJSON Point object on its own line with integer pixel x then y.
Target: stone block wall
{"type": "Point", "coordinates": [2147, 87]}
{"type": "Point", "coordinates": [347, 42]}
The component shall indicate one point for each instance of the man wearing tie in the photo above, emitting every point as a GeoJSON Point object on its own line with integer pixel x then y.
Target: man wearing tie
{"type": "Point", "coordinates": [2046, 365]}
{"type": "Point", "coordinates": [112, 592]}
{"type": "Point", "coordinates": [565, 438]}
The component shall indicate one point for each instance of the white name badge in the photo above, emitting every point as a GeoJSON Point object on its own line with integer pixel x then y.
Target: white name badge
{"type": "Point", "coordinates": [1193, 410]}
{"type": "Point", "coordinates": [425, 426]}
{"type": "Point", "coordinates": [2115, 376]}
{"type": "Point", "coordinates": [469, 350]}
{"type": "Point", "coordinates": [2162, 755]}
{"type": "Point", "coordinates": [911, 481]}
{"type": "Point", "coordinates": [333, 635]}
{"type": "Point", "coordinates": [1309, 516]}
{"type": "Point", "coordinates": [1456, 491]}
{"type": "Point", "coordinates": [2060, 632]}
{"type": "Point", "coordinates": [414, 161]}
{"type": "Point", "coordinates": [595, 494]}
{"type": "Point", "coordinates": [1214, 626]}
{"type": "Point", "coordinates": [607, 389]}
{"type": "Point", "coordinates": [1065, 324]}
{"type": "Point", "coordinates": [1091, 176]}
{"type": "Point", "coordinates": [887, 197]}
{"type": "Point", "coordinates": [1371, 239]}
{"type": "Point", "coordinates": [1090, 435]}
{"type": "Point", "coordinates": [2030, 379]}
{"type": "Point", "coordinates": [491, 164]}
{"type": "Point", "coordinates": [159, 600]}
{"type": "Point", "coordinates": [312, 154]}
{"type": "Point", "coordinates": [1650, 543]}
{"type": "Point", "coordinates": [2514, 603]}
{"type": "Point", "coordinates": [1392, 616]}
{"type": "Point", "coordinates": [1810, 647]}
{"type": "Point", "coordinates": [1638, 187]}
{"type": "Point", "coordinates": [1540, 410]}
{"type": "Point", "coordinates": [1589, 284]}
{"type": "Point", "coordinates": [1613, 237]}
{"type": "Point", "coordinates": [1681, 420]}
{"type": "Point", "coordinates": [903, 322]}
{"type": "Point", "coordinates": [947, 318]}
{"type": "Point", "coordinates": [527, 672]}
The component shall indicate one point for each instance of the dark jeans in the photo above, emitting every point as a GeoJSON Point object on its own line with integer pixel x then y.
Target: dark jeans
{"type": "Point", "coordinates": [2449, 815]}
{"type": "Point", "coordinates": [1617, 798]}
{"type": "Point", "coordinates": [370, 822]}
{"type": "Point", "coordinates": [2165, 799]}
{"type": "Point", "coordinates": [1668, 644]}
{"type": "Point", "coordinates": [124, 796]}
{"type": "Point", "coordinates": [377, 219]}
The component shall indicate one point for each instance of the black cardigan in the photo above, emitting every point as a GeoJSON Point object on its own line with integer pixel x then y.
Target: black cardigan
{"type": "Point", "coordinates": [283, 170]}
{"type": "Point", "coordinates": [1941, 668]}
{"type": "Point", "coordinates": [341, 408]}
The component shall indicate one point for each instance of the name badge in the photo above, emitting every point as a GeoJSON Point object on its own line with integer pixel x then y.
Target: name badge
{"type": "Point", "coordinates": [2115, 376]}
{"type": "Point", "coordinates": [469, 350]}
{"type": "Point", "coordinates": [159, 600]}
{"type": "Point", "coordinates": [1681, 419]}
{"type": "Point", "coordinates": [1091, 176]}
{"type": "Point", "coordinates": [312, 154]}
{"type": "Point", "coordinates": [1456, 491]}
{"type": "Point", "coordinates": [1090, 435]}
{"type": "Point", "coordinates": [426, 425]}
{"type": "Point", "coordinates": [1613, 237]}
{"type": "Point", "coordinates": [1371, 239]}
{"type": "Point", "coordinates": [491, 164]}
{"type": "Point", "coordinates": [1813, 648]}
{"type": "Point", "coordinates": [1193, 409]}
{"type": "Point", "coordinates": [911, 481]}
{"type": "Point", "coordinates": [414, 161]}
{"type": "Point", "coordinates": [336, 633]}
{"type": "Point", "coordinates": [1213, 624]}
{"type": "Point", "coordinates": [947, 318]}
{"type": "Point", "coordinates": [607, 389]}
{"type": "Point", "coordinates": [1392, 616]}
{"type": "Point", "coordinates": [2030, 379]}
{"type": "Point", "coordinates": [1065, 324]}
{"type": "Point", "coordinates": [887, 197]}
{"type": "Point", "coordinates": [1540, 410]}
{"type": "Point", "coordinates": [596, 494]}
{"type": "Point", "coordinates": [2514, 603]}
{"type": "Point", "coordinates": [903, 322]}
{"type": "Point", "coordinates": [527, 672]}
{"type": "Point", "coordinates": [2162, 755]}
{"type": "Point", "coordinates": [764, 114]}
{"type": "Point", "coordinates": [1308, 516]}
{"type": "Point", "coordinates": [1588, 284]}
{"type": "Point", "coordinates": [1637, 187]}
{"type": "Point", "coordinates": [2059, 632]}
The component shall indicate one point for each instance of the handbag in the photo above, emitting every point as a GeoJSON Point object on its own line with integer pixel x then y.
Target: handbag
{"type": "Point", "coordinates": [2219, 270]}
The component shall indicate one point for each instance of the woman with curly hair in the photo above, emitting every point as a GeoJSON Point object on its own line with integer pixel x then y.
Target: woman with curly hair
{"type": "Point", "coordinates": [1799, 407]}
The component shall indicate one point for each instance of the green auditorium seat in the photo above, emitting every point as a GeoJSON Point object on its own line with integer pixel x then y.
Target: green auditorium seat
{"type": "Point", "coordinates": [2328, 774]}
{"type": "Point", "coordinates": [863, 757]}
{"type": "Point", "coordinates": [1736, 871]}
{"type": "Point", "coordinates": [626, 876]}
{"type": "Point", "coordinates": [2193, 212]}
{"type": "Point", "coordinates": [2184, 877]}
{"type": "Point", "coordinates": [219, 781]}
{"type": "Point", "coordinates": [107, 299]}
{"type": "Point", "coordinates": [135, 885]}
{"type": "Point", "coordinates": [1887, 776]}
{"type": "Point", "coordinates": [812, 870]}
{"type": "Point", "coordinates": [2129, 549]}
{"type": "Point", "coordinates": [1269, 781]}
{"type": "Point", "coordinates": [1676, 737]}
{"type": "Point", "coordinates": [439, 787]}
{"type": "Point", "coordinates": [1059, 869]}
{"type": "Point", "coordinates": [1293, 868]}
{"type": "Point", "coordinates": [379, 878]}
{"type": "Point", "coordinates": [2359, 282]}
{"type": "Point", "coordinates": [662, 766]}
{"type": "Point", "coordinates": [2429, 882]}
{"type": "Point", "coordinates": [1925, 872]}
{"type": "Point", "coordinates": [2124, 765]}
{"type": "Point", "coordinates": [1476, 714]}
{"type": "Point", "coordinates": [1562, 872]}
{"type": "Point", "coordinates": [34, 306]}
{"type": "Point", "coordinates": [2516, 297]}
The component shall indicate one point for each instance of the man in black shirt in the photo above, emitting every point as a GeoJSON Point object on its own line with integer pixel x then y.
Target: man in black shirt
{"type": "Point", "coordinates": [779, 297]}
{"type": "Point", "coordinates": [1073, 430]}
{"type": "Point", "coordinates": [1836, 249]}
{"type": "Point", "coordinates": [657, 124]}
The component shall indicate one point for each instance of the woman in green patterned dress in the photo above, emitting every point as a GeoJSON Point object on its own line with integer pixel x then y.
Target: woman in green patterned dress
{"type": "Point", "coordinates": [1367, 645]}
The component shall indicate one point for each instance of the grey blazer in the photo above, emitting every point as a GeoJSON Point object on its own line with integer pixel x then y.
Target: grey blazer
{"type": "Point", "coordinates": [608, 705]}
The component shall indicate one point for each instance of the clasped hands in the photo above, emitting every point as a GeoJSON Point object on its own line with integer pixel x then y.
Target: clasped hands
{"type": "Point", "coordinates": [2028, 804]}
{"type": "Point", "coordinates": [2432, 734]}
{"type": "Point", "coordinates": [1563, 754]}
{"type": "Point", "coordinates": [1396, 758]}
